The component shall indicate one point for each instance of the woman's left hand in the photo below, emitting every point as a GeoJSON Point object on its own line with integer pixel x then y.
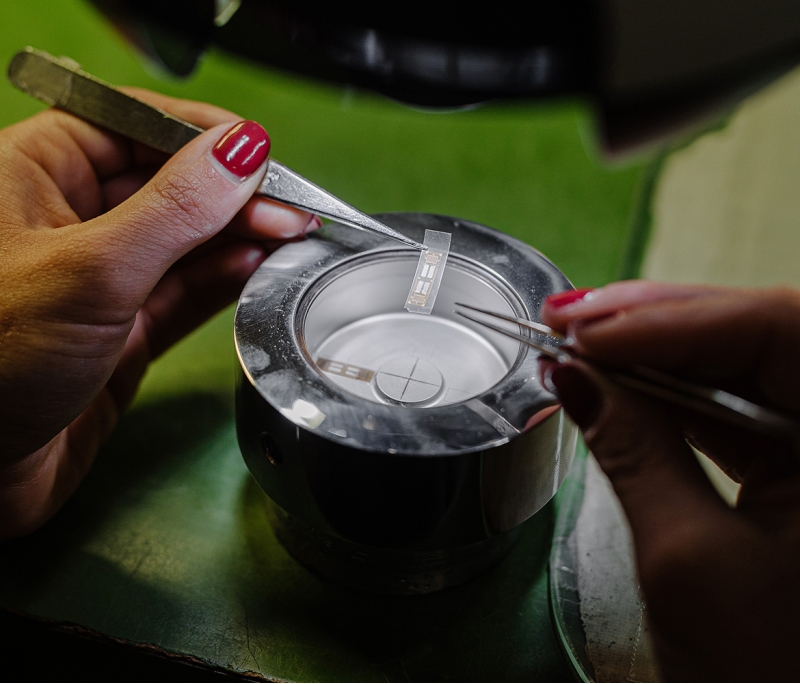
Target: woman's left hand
{"type": "Point", "coordinates": [110, 253]}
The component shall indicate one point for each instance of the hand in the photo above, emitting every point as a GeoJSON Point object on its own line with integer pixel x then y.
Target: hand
{"type": "Point", "coordinates": [110, 253]}
{"type": "Point", "coordinates": [720, 583]}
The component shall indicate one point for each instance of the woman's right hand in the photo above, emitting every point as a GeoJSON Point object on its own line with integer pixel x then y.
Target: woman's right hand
{"type": "Point", "coordinates": [720, 583]}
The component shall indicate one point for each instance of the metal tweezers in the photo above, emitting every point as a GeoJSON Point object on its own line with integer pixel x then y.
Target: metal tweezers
{"type": "Point", "coordinates": [709, 401]}
{"type": "Point", "coordinates": [61, 83]}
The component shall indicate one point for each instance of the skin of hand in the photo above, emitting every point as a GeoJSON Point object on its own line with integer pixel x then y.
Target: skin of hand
{"type": "Point", "coordinates": [720, 583]}
{"type": "Point", "coordinates": [109, 253]}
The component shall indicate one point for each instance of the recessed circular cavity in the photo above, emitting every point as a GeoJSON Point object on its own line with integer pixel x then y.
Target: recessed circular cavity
{"type": "Point", "coordinates": [333, 286]}
{"type": "Point", "coordinates": [359, 336]}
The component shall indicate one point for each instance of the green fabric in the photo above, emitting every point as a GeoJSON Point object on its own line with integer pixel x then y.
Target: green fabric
{"type": "Point", "coordinates": [167, 541]}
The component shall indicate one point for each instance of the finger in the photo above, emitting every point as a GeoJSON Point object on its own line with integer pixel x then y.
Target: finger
{"type": "Point", "coordinates": [120, 188]}
{"type": "Point", "coordinates": [192, 198]}
{"type": "Point", "coordinates": [50, 161]}
{"type": "Point", "coordinates": [661, 486]}
{"type": "Point", "coordinates": [34, 488]}
{"type": "Point", "coordinates": [60, 151]}
{"type": "Point", "coordinates": [263, 219]}
{"type": "Point", "coordinates": [220, 243]}
{"type": "Point", "coordinates": [259, 219]}
{"type": "Point", "coordinates": [189, 296]}
{"type": "Point", "coordinates": [750, 336]}
{"type": "Point", "coordinates": [582, 305]}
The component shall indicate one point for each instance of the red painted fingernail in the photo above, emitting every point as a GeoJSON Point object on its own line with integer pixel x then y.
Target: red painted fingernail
{"type": "Point", "coordinates": [562, 299]}
{"type": "Point", "coordinates": [243, 149]}
{"type": "Point", "coordinates": [313, 224]}
{"type": "Point", "coordinates": [578, 394]}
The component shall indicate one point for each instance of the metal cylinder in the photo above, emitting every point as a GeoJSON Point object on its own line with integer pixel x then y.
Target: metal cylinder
{"type": "Point", "coordinates": [401, 451]}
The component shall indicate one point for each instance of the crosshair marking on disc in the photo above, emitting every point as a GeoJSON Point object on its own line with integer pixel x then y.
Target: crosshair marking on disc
{"type": "Point", "coordinates": [409, 380]}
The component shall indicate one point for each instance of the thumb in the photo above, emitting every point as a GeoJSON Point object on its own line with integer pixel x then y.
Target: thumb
{"type": "Point", "coordinates": [663, 490]}
{"type": "Point", "coordinates": [190, 199]}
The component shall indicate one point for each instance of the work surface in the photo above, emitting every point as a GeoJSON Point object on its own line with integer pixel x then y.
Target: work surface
{"type": "Point", "coordinates": [167, 542]}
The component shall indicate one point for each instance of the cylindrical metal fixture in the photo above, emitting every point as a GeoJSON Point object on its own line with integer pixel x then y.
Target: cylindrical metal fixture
{"type": "Point", "coordinates": [401, 451]}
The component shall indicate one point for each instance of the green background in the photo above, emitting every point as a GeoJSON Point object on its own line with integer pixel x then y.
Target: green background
{"type": "Point", "coordinates": [166, 541]}
{"type": "Point", "coordinates": [523, 169]}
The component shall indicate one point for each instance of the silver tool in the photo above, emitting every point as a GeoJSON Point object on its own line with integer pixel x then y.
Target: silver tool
{"type": "Point", "coordinates": [61, 83]}
{"type": "Point", "coordinates": [710, 401]}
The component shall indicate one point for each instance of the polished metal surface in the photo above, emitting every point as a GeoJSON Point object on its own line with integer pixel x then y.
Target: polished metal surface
{"type": "Point", "coordinates": [292, 306]}
{"type": "Point", "coordinates": [287, 186]}
{"type": "Point", "coordinates": [354, 315]}
{"type": "Point", "coordinates": [402, 452]}
{"type": "Point", "coordinates": [530, 325]}
{"type": "Point", "coordinates": [409, 380]}
{"type": "Point", "coordinates": [61, 83]}
{"type": "Point", "coordinates": [387, 571]}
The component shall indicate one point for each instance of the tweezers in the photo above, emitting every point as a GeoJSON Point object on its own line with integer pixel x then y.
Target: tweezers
{"type": "Point", "coordinates": [709, 401]}
{"type": "Point", "coordinates": [61, 83]}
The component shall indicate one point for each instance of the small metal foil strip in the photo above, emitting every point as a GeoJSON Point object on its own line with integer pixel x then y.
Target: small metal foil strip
{"type": "Point", "coordinates": [345, 369]}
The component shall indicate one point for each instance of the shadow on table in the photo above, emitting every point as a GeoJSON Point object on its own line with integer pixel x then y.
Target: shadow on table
{"type": "Point", "coordinates": [155, 442]}
{"type": "Point", "coordinates": [493, 628]}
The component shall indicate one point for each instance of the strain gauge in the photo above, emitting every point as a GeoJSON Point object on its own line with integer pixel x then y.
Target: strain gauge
{"type": "Point", "coordinates": [430, 269]}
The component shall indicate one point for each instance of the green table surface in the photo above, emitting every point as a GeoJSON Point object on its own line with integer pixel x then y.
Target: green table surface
{"type": "Point", "coordinates": [167, 541]}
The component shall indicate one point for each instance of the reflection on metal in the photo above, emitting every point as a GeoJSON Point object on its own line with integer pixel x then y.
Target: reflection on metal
{"type": "Point", "coordinates": [353, 314]}
{"type": "Point", "coordinates": [304, 412]}
{"type": "Point", "coordinates": [494, 418]}
{"type": "Point", "coordinates": [287, 186]}
{"type": "Point", "coordinates": [466, 67]}
{"type": "Point", "coordinates": [339, 294]}
{"type": "Point", "coordinates": [224, 10]}
{"type": "Point", "coordinates": [419, 478]}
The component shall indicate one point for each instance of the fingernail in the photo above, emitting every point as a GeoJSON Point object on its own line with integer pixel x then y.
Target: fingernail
{"type": "Point", "coordinates": [562, 299]}
{"type": "Point", "coordinates": [243, 149]}
{"type": "Point", "coordinates": [313, 224]}
{"type": "Point", "coordinates": [578, 394]}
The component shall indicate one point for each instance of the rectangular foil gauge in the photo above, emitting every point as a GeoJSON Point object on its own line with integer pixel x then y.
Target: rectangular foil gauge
{"type": "Point", "coordinates": [346, 370]}
{"type": "Point", "coordinates": [430, 269]}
